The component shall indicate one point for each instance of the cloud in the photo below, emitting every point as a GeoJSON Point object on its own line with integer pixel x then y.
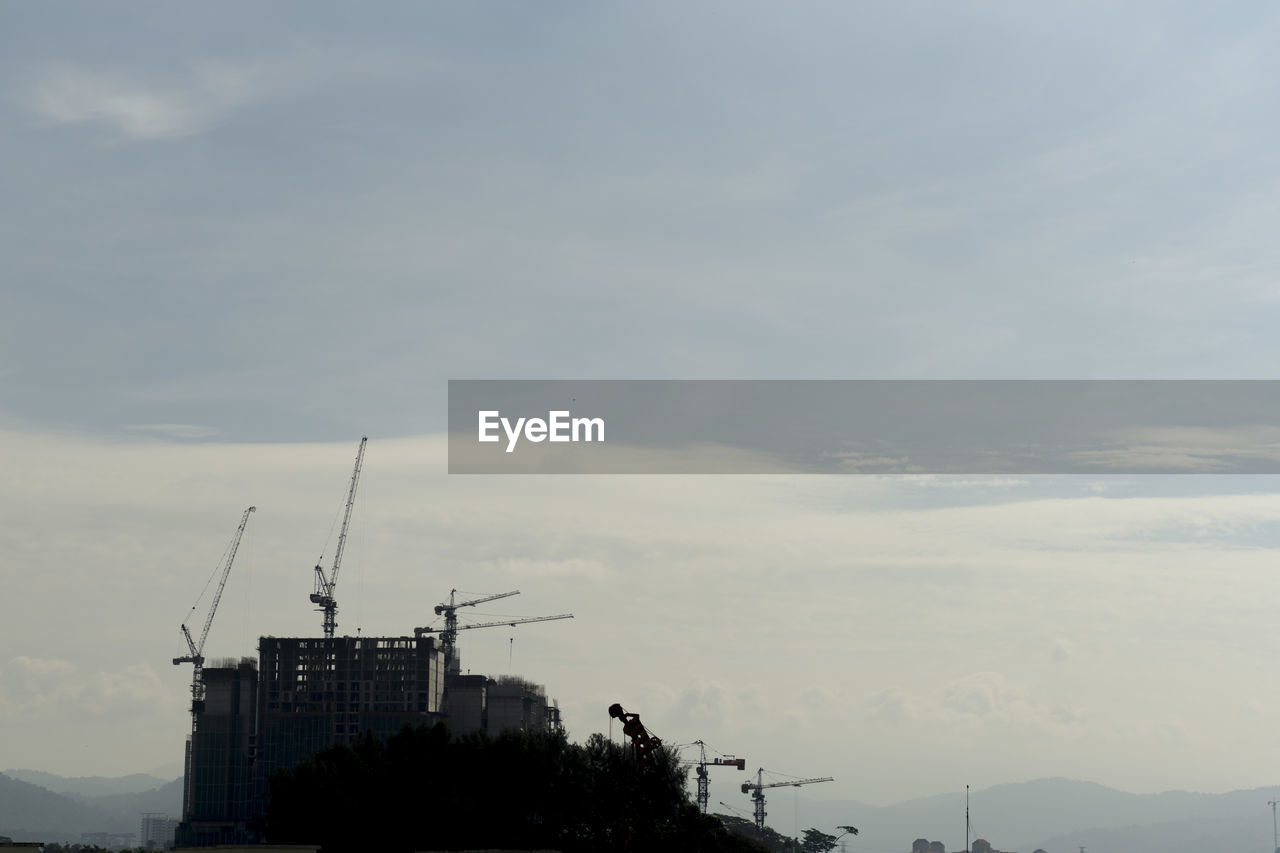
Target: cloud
{"type": "Point", "coordinates": [890, 705]}
{"type": "Point", "coordinates": [588, 570]}
{"type": "Point", "coordinates": [47, 687]}
{"type": "Point", "coordinates": [146, 107]}
{"type": "Point", "coordinates": [138, 110]}
{"type": "Point", "coordinates": [781, 617]}
{"type": "Point", "coordinates": [1190, 449]}
{"type": "Point", "coordinates": [984, 703]}
{"type": "Point", "coordinates": [175, 430]}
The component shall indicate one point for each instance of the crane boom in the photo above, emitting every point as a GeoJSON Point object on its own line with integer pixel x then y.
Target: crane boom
{"type": "Point", "coordinates": [757, 788]}
{"type": "Point", "coordinates": [452, 605]}
{"type": "Point", "coordinates": [191, 644]}
{"type": "Point", "coordinates": [222, 584]}
{"type": "Point", "coordinates": [796, 783]}
{"type": "Point", "coordinates": [326, 583]}
{"type": "Point", "coordinates": [449, 633]}
{"type": "Point", "coordinates": [418, 632]}
{"type": "Point", "coordinates": [196, 656]}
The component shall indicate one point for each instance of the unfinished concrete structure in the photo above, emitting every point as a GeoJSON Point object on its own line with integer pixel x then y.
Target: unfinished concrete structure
{"type": "Point", "coordinates": [304, 694]}
{"type": "Point", "coordinates": [320, 692]}
{"type": "Point", "coordinates": [478, 703]}
{"type": "Point", "coordinates": [217, 795]}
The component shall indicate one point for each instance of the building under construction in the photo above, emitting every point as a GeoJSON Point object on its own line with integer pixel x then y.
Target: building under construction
{"type": "Point", "coordinates": [304, 694]}
{"type": "Point", "coordinates": [250, 719]}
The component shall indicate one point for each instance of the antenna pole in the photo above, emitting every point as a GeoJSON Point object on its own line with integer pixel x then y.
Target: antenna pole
{"type": "Point", "coordinates": [966, 819]}
{"type": "Point", "coordinates": [1275, 837]}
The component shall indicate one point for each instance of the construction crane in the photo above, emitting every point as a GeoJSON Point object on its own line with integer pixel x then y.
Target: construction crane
{"type": "Point", "coordinates": [644, 743]}
{"type": "Point", "coordinates": [757, 791]}
{"type": "Point", "coordinates": [449, 633]}
{"type": "Point", "coordinates": [704, 783]}
{"type": "Point", "coordinates": [326, 582]}
{"type": "Point", "coordinates": [196, 655]}
{"type": "Point", "coordinates": [735, 810]}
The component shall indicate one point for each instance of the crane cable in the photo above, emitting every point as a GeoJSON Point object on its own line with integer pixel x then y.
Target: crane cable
{"type": "Point", "coordinates": [221, 563]}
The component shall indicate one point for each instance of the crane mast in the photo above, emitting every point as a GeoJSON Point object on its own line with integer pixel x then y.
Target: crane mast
{"type": "Point", "coordinates": [757, 792]}
{"type": "Point", "coordinates": [195, 657]}
{"type": "Point", "coordinates": [325, 583]}
{"type": "Point", "coordinates": [704, 782]}
{"type": "Point", "coordinates": [449, 636]}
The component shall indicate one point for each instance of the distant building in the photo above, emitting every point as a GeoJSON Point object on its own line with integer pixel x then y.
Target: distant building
{"type": "Point", "coordinates": [259, 848]}
{"type": "Point", "coordinates": [476, 703]}
{"type": "Point", "coordinates": [465, 703]}
{"type": "Point", "coordinates": [513, 703]}
{"type": "Point", "coordinates": [157, 831]}
{"type": "Point", "coordinates": [110, 840]}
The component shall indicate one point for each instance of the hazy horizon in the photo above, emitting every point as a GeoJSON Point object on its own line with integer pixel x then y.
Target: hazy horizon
{"type": "Point", "coordinates": [237, 241]}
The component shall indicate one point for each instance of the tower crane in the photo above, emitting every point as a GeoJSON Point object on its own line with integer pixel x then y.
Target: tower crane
{"type": "Point", "coordinates": [325, 582]}
{"type": "Point", "coordinates": [449, 633]}
{"type": "Point", "coordinates": [756, 790]}
{"type": "Point", "coordinates": [196, 655]}
{"type": "Point", "coordinates": [704, 783]}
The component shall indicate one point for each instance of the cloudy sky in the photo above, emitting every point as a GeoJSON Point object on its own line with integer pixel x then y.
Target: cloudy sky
{"type": "Point", "coordinates": [234, 240]}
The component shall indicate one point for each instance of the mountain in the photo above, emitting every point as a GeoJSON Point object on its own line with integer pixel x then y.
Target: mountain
{"type": "Point", "coordinates": [32, 813]}
{"type": "Point", "coordinates": [89, 786]}
{"type": "Point", "coordinates": [1057, 815]}
{"type": "Point", "coordinates": [1184, 836]}
{"type": "Point", "coordinates": [130, 807]}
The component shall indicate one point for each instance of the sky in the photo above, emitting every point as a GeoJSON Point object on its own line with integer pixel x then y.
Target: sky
{"type": "Point", "coordinates": [236, 240]}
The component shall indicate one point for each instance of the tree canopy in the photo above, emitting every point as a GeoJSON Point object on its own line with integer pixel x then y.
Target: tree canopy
{"type": "Point", "coordinates": [423, 790]}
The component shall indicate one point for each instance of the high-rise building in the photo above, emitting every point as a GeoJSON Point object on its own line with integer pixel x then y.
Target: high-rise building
{"type": "Point", "coordinates": [318, 692]}
{"type": "Point", "coordinates": [304, 694]}
{"type": "Point", "coordinates": [218, 792]}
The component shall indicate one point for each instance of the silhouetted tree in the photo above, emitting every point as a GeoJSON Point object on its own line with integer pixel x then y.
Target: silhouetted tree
{"type": "Point", "coordinates": [816, 842]}
{"type": "Point", "coordinates": [770, 840]}
{"type": "Point", "coordinates": [423, 789]}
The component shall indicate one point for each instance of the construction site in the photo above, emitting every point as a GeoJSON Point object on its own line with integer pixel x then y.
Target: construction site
{"type": "Point", "coordinates": [251, 717]}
